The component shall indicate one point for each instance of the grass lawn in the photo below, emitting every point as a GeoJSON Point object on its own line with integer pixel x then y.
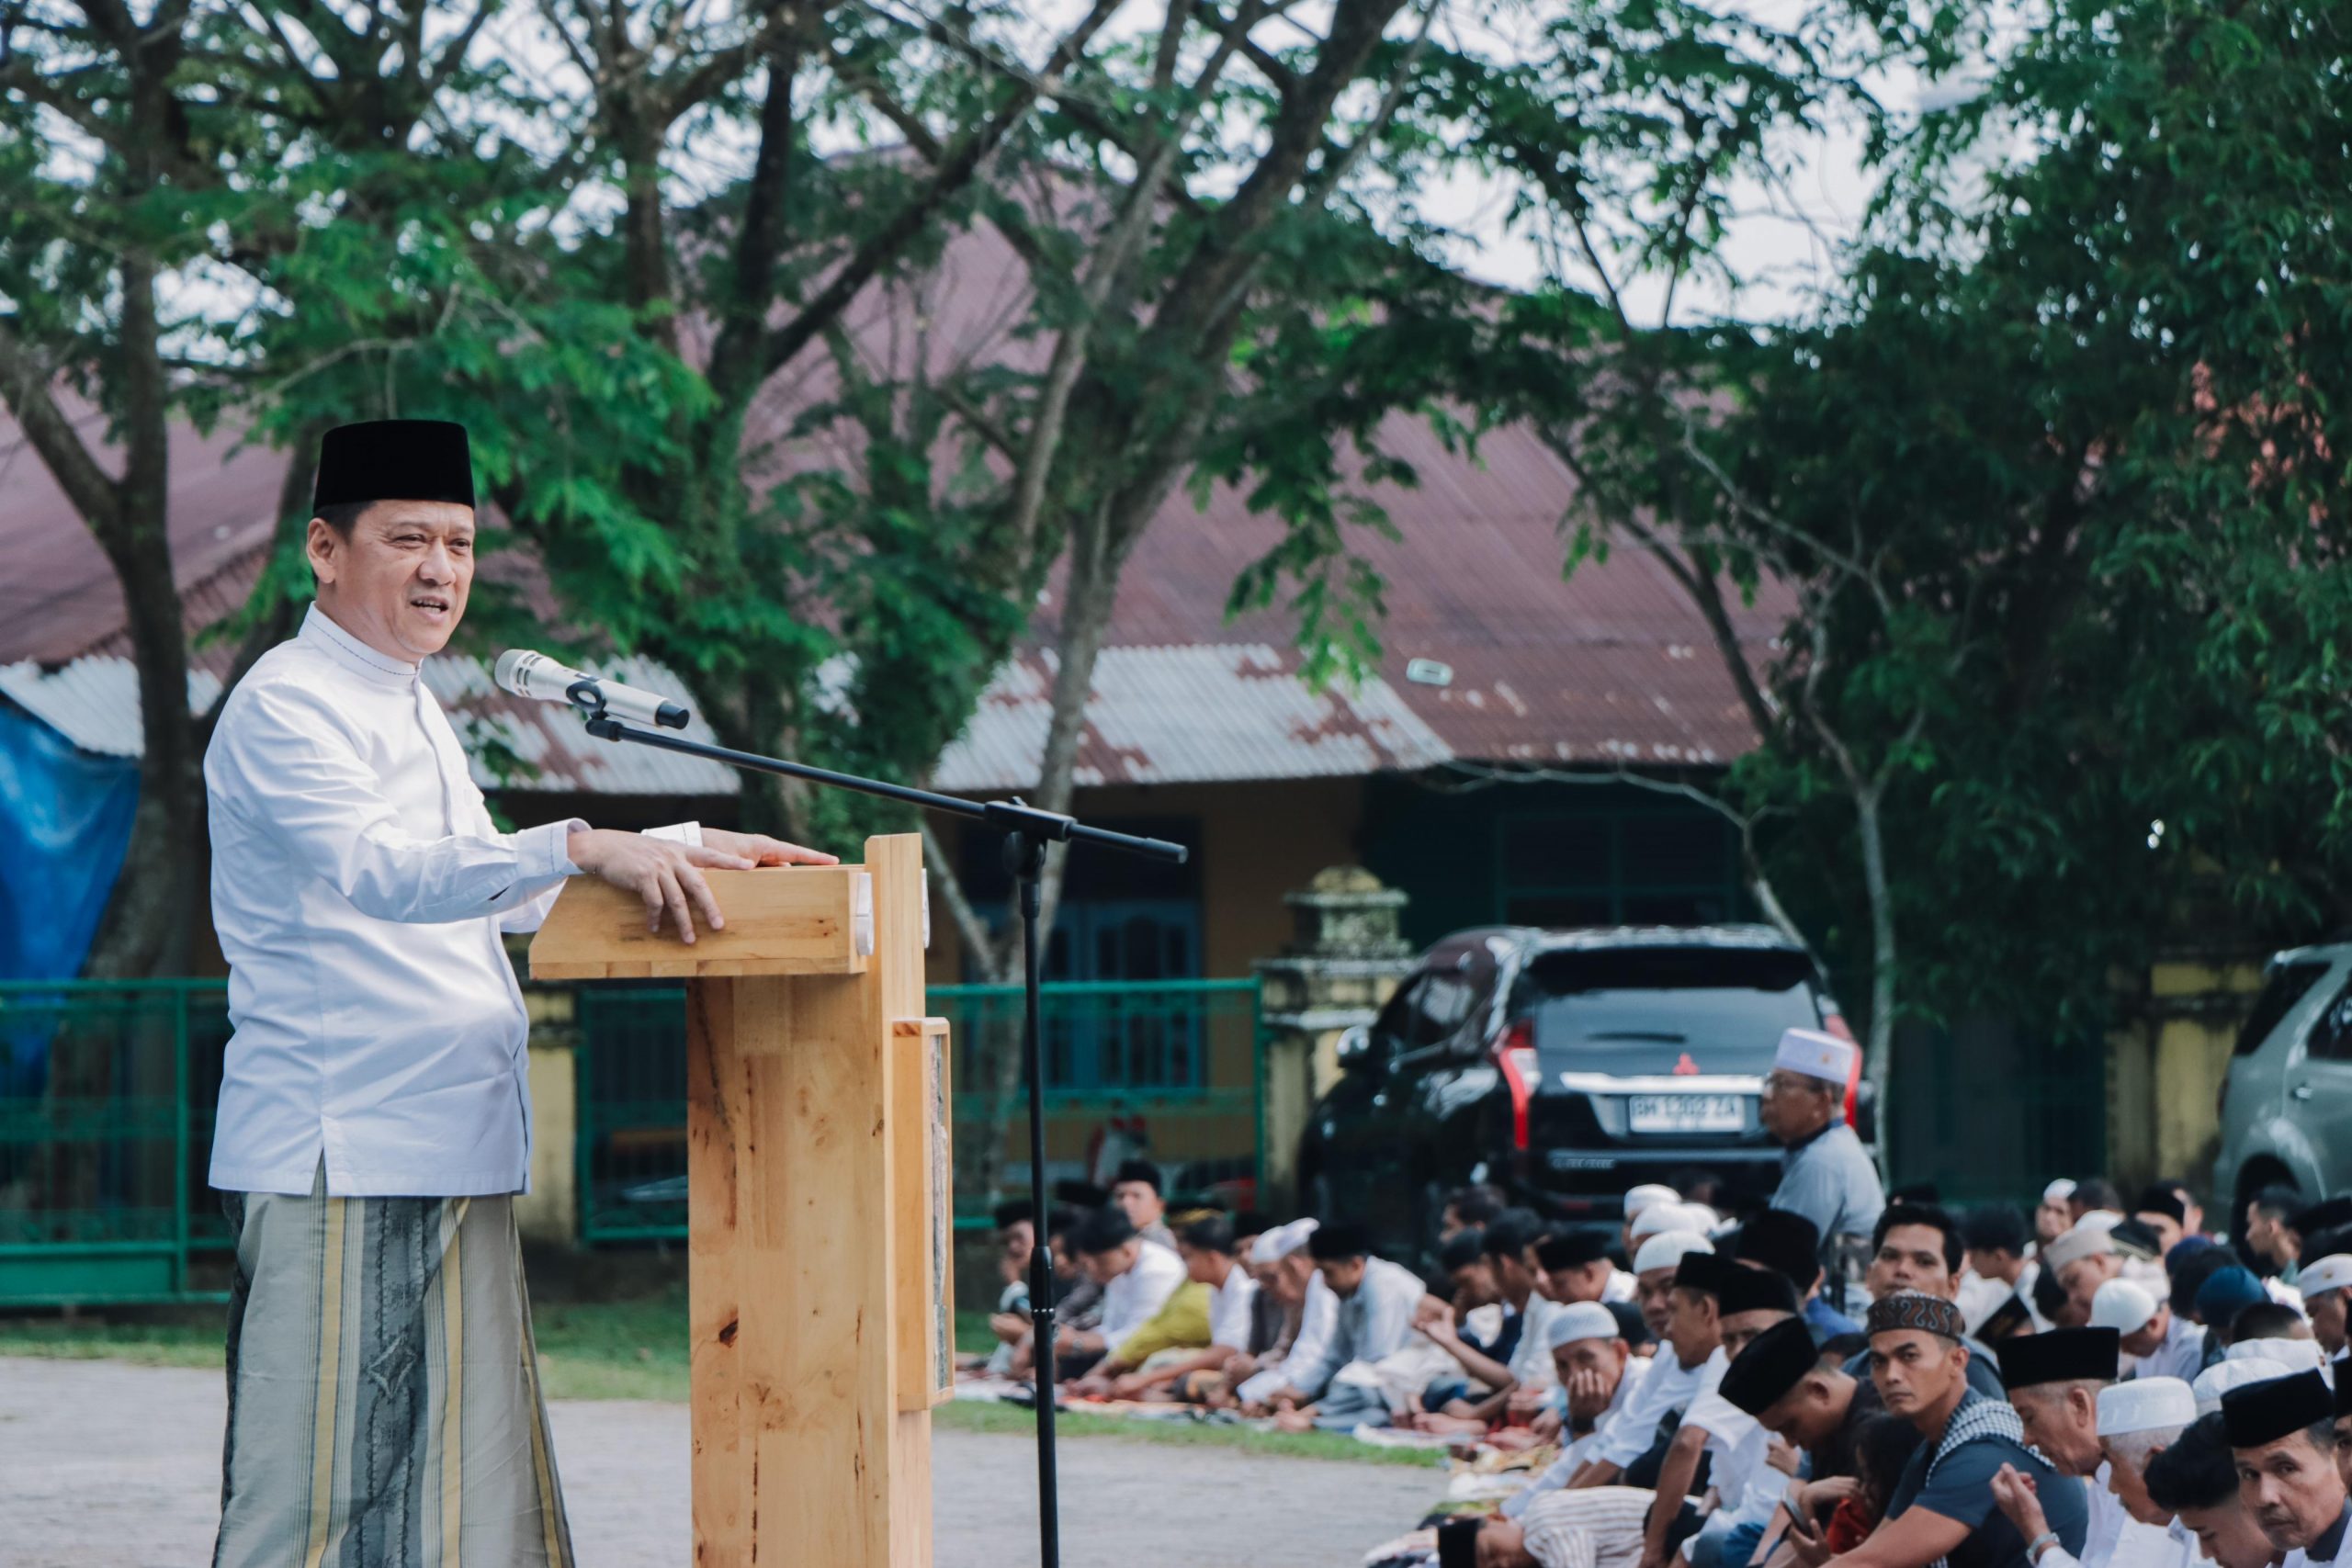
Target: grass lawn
{"type": "Point", "coordinates": [970, 1415]}
{"type": "Point", "coordinates": [635, 1347]}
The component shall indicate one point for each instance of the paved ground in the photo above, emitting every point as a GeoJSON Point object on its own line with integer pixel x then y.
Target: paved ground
{"type": "Point", "coordinates": [104, 1465]}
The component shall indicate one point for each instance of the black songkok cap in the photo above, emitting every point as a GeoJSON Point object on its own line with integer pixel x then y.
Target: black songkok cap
{"type": "Point", "coordinates": [2062, 1355]}
{"type": "Point", "coordinates": [1745, 1289]}
{"type": "Point", "coordinates": [1141, 1170]}
{"type": "Point", "coordinates": [1775, 1360]}
{"type": "Point", "coordinates": [2264, 1412]}
{"type": "Point", "coordinates": [2012, 1317]}
{"type": "Point", "coordinates": [1457, 1543]}
{"type": "Point", "coordinates": [1703, 1271]}
{"type": "Point", "coordinates": [1571, 1250]}
{"type": "Point", "coordinates": [394, 459]}
{"type": "Point", "coordinates": [1915, 1310]}
{"type": "Point", "coordinates": [1781, 1239]}
{"type": "Point", "coordinates": [2162, 1201]}
{"type": "Point", "coordinates": [2343, 1396]}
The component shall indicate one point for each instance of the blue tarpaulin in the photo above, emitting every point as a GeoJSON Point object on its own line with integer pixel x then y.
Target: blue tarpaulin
{"type": "Point", "coordinates": [64, 824]}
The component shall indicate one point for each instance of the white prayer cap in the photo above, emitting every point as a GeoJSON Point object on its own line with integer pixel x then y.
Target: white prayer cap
{"type": "Point", "coordinates": [2100, 1220]}
{"type": "Point", "coordinates": [2059, 1190]}
{"type": "Point", "coordinates": [2295, 1355]}
{"type": "Point", "coordinates": [1640, 1198]}
{"type": "Point", "coordinates": [1583, 1320]}
{"type": "Point", "coordinates": [2083, 1241]}
{"type": "Point", "coordinates": [2222, 1376]}
{"type": "Point", "coordinates": [1668, 1248]}
{"type": "Point", "coordinates": [2146, 1404]}
{"type": "Point", "coordinates": [1815, 1054]}
{"type": "Point", "coordinates": [2329, 1273]}
{"type": "Point", "coordinates": [1659, 1218]}
{"type": "Point", "coordinates": [1282, 1241]}
{"type": "Point", "coordinates": [2123, 1306]}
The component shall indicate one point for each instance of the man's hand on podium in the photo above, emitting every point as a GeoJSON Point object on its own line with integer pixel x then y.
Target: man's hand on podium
{"type": "Point", "coordinates": [663, 872]}
{"type": "Point", "coordinates": [761, 849]}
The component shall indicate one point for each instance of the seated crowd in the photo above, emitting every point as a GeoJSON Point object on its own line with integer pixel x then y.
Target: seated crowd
{"type": "Point", "coordinates": [2095, 1386]}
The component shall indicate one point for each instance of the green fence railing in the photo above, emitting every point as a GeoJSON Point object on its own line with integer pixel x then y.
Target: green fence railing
{"type": "Point", "coordinates": [107, 1097]}
{"type": "Point", "coordinates": [1171, 1067]}
{"type": "Point", "coordinates": [108, 1093]}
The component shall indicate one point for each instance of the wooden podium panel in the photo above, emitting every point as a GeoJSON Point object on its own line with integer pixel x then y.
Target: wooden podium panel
{"type": "Point", "coordinates": [798, 920]}
{"type": "Point", "coordinates": [819, 1216]}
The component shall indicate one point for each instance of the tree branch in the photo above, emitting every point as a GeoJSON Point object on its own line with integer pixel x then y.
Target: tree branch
{"type": "Point", "coordinates": [24, 384]}
{"type": "Point", "coordinates": [953, 173]}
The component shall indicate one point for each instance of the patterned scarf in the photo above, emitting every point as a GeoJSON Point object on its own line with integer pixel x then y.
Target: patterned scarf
{"type": "Point", "coordinates": [1976, 1417]}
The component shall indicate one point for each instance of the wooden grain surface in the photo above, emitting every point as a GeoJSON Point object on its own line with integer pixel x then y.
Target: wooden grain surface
{"type": "Point", "coordinates": [780, 921]}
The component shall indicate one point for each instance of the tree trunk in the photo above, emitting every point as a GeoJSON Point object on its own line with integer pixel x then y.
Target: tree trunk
{"type": "Point", "coordinates": [1878, 1053]}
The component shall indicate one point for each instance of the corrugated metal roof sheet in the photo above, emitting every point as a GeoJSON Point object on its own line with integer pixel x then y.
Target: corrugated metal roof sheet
{"type": "Point", "coordinates": [94, 703]}
{"type": "Point", "coordinates": [1159, 716]}
{"type": "Point", "coordinates": [1188, 715]}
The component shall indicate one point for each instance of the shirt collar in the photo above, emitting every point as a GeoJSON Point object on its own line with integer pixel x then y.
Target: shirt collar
{"type": "Point", "coordinates": [2330, 1544]}
{"type": "Point", "coordinates": [319, 630]}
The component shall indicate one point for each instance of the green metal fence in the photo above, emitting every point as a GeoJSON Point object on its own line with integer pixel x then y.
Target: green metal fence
{"type": "Point", "coordinates": [106, 1095]}
{"type": "Point", "coordinates": [1169, 1067]}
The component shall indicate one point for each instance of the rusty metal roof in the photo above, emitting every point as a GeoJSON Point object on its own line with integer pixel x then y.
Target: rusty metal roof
{"type": "Point", "coordinates": [1611, 666]}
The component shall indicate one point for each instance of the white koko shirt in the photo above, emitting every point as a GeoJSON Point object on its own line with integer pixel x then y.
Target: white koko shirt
{"type": "Point", "coordinates": [359, 890]}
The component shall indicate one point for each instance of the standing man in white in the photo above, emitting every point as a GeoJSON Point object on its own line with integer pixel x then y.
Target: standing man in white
{"type": "Point", "coordinates": [384, 1407]}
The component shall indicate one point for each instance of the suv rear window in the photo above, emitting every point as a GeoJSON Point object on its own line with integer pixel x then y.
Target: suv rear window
{"type": "Point", "coordinates": [2281, 991]}
{"type": "Point", "coordinates": [1641, 1009]}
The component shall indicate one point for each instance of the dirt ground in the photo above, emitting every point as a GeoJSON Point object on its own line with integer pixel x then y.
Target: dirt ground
{"type": "Point", "coordinates": [108, 1465]}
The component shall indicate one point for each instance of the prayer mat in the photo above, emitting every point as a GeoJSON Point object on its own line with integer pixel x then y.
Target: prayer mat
{"type": "Point", "coordinates": [384, 1401]}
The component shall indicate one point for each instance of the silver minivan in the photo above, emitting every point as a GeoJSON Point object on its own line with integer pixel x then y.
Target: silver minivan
{"type": "Point", "coordinates": [2286, 1104]}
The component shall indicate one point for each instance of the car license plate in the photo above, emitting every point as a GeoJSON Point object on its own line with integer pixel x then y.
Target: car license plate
{"type": "Point", "coordinates": [1685, 1113]}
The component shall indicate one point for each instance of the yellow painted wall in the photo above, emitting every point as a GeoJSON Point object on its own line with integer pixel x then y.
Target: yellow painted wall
{"type": "Point", "coordinates": [2165, 1068]}
{"type": "Point", "coordinates": [1258, 842]}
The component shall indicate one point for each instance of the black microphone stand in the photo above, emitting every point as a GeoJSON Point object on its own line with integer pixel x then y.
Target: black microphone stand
{"type": "Point", "coordinates": [1027, 831]}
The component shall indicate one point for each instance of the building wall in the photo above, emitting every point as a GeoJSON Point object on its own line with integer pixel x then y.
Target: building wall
{"type": "Point", "coordinates": [1256, 842]}
{"type": "Point", "coordinates": [2167, 1064]}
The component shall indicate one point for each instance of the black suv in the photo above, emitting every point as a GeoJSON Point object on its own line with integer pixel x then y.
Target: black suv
{"type": "Point", "coordinates": [1565, 1067]}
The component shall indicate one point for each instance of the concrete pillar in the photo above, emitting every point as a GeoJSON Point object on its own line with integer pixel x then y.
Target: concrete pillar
{"type": "Point", "coordinates": [1344, 957]}
{"type": "Point", "coordinates": [548, 1215]}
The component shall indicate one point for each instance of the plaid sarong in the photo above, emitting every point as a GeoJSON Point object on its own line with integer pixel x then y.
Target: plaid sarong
{"type": "Point", "coordinates": [384, 1404]}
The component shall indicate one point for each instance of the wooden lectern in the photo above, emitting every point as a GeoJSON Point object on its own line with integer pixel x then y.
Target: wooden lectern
{"type": "Point", "coordinates": [818, 1210]}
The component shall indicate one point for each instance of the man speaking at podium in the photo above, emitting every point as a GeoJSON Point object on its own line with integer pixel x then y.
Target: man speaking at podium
{"type": "Point", "coordinates": [384, 1406]}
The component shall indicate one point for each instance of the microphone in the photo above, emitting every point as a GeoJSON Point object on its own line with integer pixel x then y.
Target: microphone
{"type": "Point", "coordinates": [535, 675]}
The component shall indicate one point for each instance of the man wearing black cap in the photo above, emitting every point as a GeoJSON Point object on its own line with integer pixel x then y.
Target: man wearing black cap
{"type": "Point", "coordinates": [1749, 1300]}
{"type": "Point", "coordinates": [1942, 1507]}
{"type": "Point", "coordinates": [1784, 1240]}
{"type": "Point", "coordinates": [1136, 1190]}
{"type": "Point", "coordinates": [1781, 1380]}
{"type": "Point", "coordinates": [2054, 1381]}
{"type": "Point", "coordinates": [374, 1116]}
{"type": "Point", "coordinates": [2282, 1435]}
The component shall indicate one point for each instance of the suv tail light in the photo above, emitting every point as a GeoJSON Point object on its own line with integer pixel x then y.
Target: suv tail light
{"type": "Point", "coordinates": [1515, 1057]}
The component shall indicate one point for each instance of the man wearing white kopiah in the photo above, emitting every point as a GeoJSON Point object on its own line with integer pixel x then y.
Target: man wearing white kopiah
{"type": "Point", "coordinates": [384, 1406]}
{"type": "Point", "coordinates": [2327, 1284]}
{"type": "Point", "coordinates": [1826, 1175]}
{"type": "Point", "coordinates": [2161, 1344]}
{"type": "Point", "coordinates": [2136, 1421]}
